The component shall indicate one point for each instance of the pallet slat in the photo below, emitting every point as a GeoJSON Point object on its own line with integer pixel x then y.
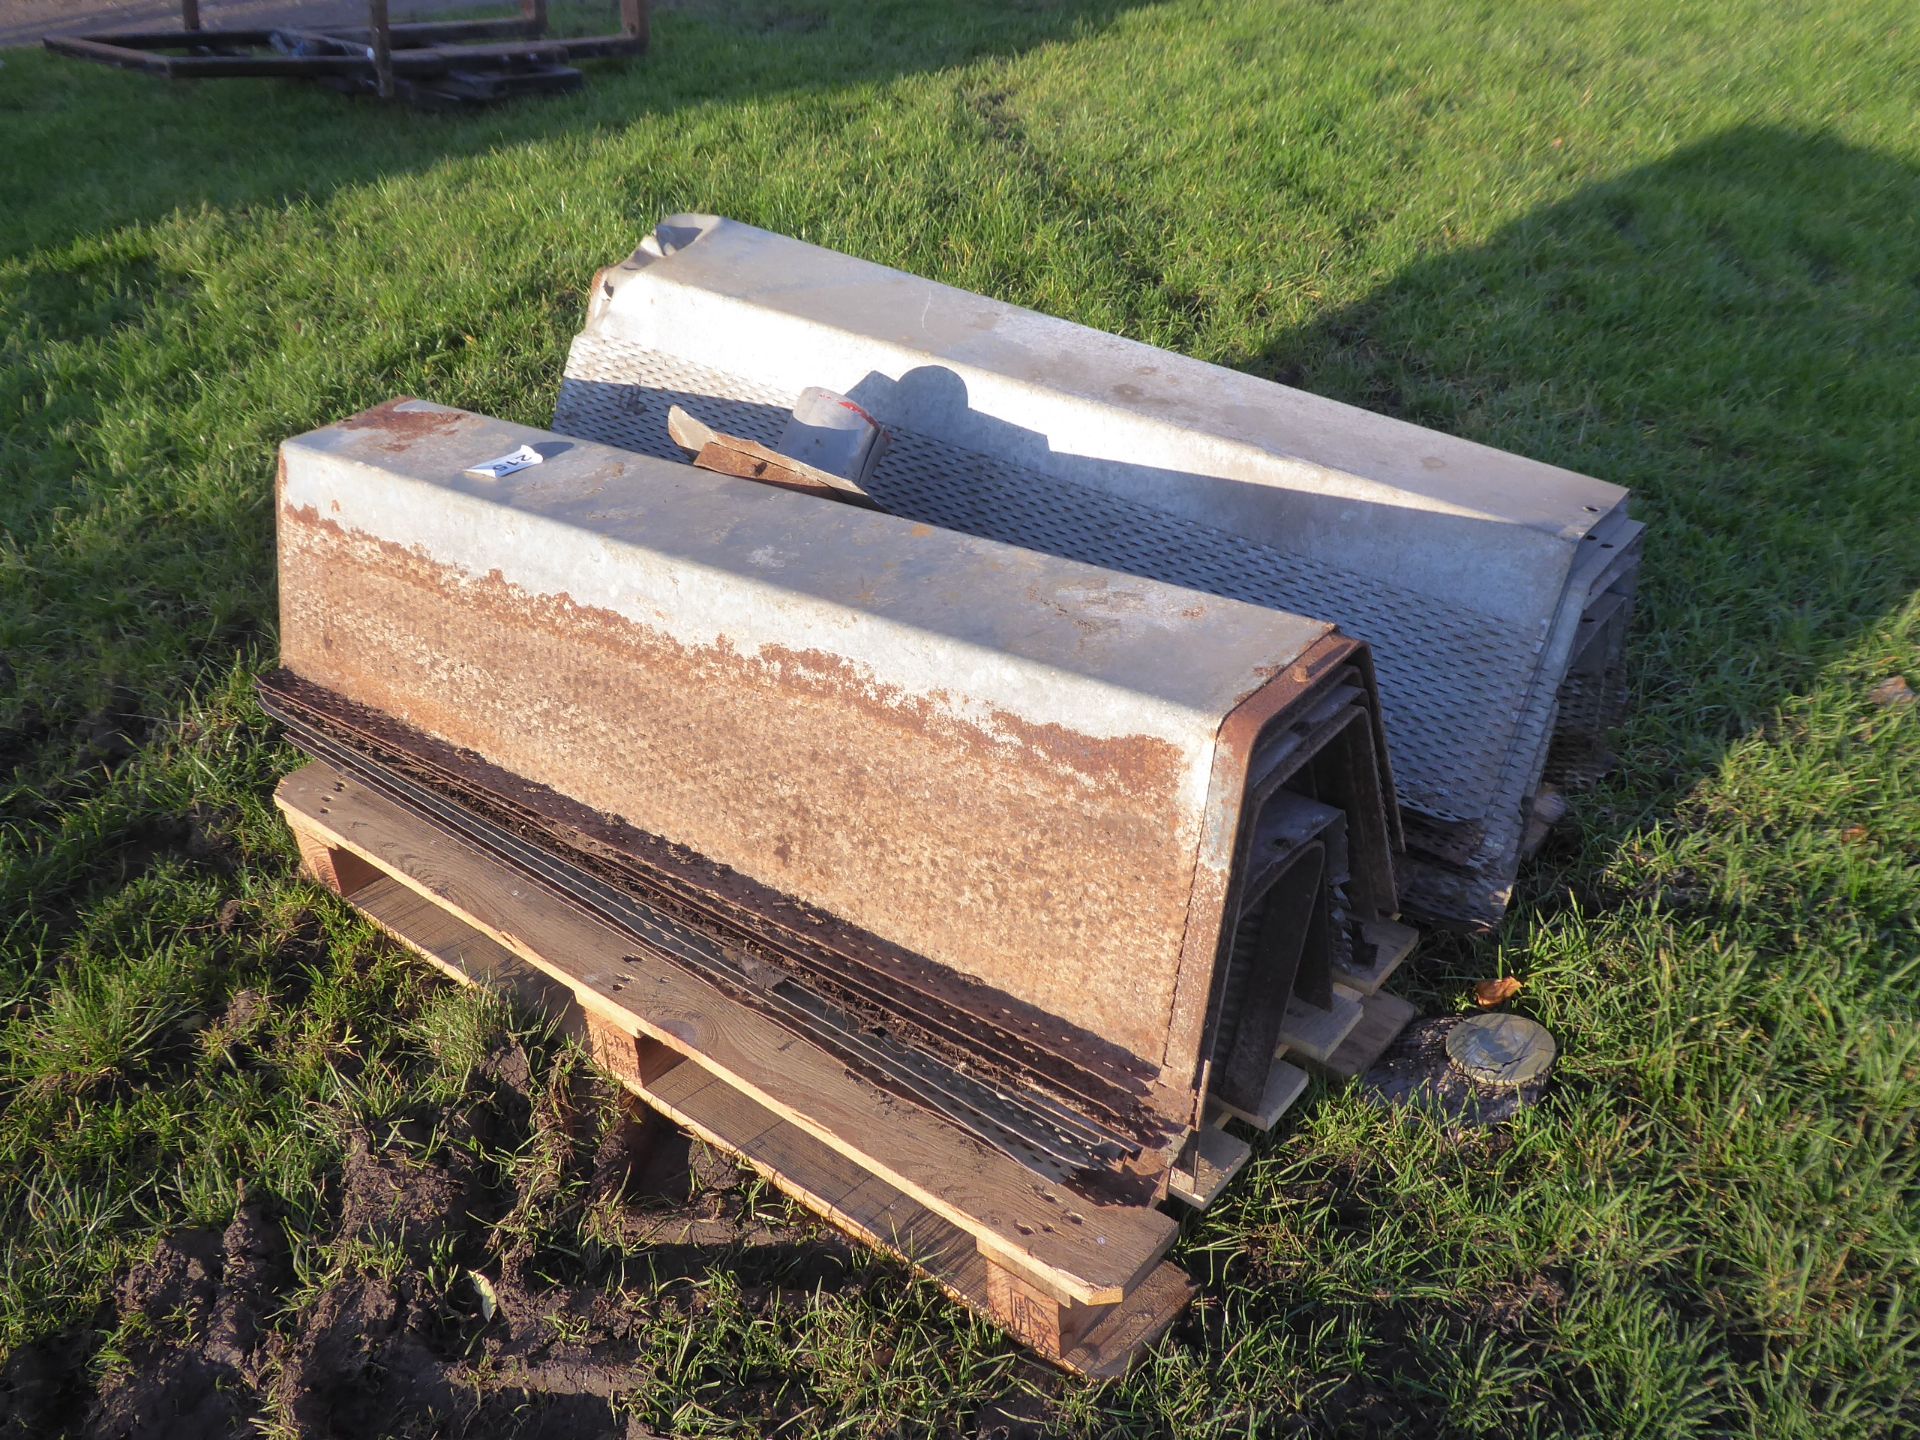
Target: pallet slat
{"type": "Point", "coordinates": [871, 1211]}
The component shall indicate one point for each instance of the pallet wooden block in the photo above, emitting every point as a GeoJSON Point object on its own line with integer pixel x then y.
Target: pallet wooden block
{"type": "Point", "coordinates": [1382, 1018]}
{"type": "Point", "coordinates": [1212, 1158]}
{"type": "Point", "coordinates": [1081, 1281]}
{"type": "Point", "coordinates": [1392, 944]}
{"type": "Point", "coordinates": [1312, 1033]}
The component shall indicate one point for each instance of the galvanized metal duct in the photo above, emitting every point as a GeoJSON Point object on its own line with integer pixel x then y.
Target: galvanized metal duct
{"type": "Point", "coordinates": [1495, 591]}
{"type": "Point", "coordinates": [914, 790]}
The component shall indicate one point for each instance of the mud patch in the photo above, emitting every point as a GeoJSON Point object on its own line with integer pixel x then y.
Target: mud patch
{"type": "Point", "coordinates": [1526, 1304]}
{"type": "Point", "coordinates": [389, 1199]}
{"type": "Point", "coordinates": [194, 1314]}
{"type": "Point", "coordinates": [1024, 1414]}
{"type": "Point", "coordinates": [440, 1310]}
{"type": "Point", "coordinates": [43, 1387]}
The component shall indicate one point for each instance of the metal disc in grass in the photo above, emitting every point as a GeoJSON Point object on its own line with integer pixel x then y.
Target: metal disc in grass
{"type": "Point", "coordinates": [1471, 1070]}
{"type": "Point", "coordinates": [1500, 1049]}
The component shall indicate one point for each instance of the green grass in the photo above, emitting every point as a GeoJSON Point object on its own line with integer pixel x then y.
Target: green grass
{"type": "Point", "coordinates": [1672, 245]}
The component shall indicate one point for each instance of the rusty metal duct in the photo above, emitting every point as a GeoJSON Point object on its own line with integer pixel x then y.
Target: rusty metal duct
{"type": "Point", "coordinates": [1052, 850]}
{"type": "Point", "coordinates": [1495, 591]}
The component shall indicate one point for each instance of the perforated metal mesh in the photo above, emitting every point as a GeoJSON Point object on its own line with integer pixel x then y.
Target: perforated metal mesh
{"type": "Point", "coordinates": [1452, 683]}
{"type": "Point", "coordinates": [1468, 713]}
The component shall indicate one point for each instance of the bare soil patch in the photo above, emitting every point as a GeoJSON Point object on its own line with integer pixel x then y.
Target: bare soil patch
{"type": "Point", "coordinates": [430, 1321]}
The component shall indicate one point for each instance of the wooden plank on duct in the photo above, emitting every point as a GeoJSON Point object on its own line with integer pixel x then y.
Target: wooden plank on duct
{"type": "Point", "coordinates": [1311, 1033]}
{"type": "Point", "coordinates": [1392, 943]}
{"type": "Point", "coordinates": [1286, 1083]}
{"type": "Point", "coordinates": [1212, 1158]}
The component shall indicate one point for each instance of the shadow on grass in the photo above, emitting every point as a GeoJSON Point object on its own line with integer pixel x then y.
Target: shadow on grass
{"type": "Point", "coordinates": [1731, 332]}
{"type": "Point", "coordinates": [230, 143]}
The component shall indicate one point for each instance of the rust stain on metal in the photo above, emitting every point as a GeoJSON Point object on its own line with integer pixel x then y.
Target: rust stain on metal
{"type": "Point", "coordinates": [1204, 936]}
{"type": "Point", "coordinates": [992, 1026]}
{"type": "Point", "coordinates": [1132, 764]}
{"type": "Point", "coordinates": [403, 427]}
{"type": "Point", "coordinates": [983, 841]}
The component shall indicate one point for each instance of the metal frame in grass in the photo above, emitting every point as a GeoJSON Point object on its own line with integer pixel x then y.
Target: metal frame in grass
{"type": "Point", "coordinates": [435, 63]}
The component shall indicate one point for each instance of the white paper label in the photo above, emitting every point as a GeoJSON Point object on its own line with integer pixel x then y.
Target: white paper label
{"type": "Point", "coordinates": [514, 460]}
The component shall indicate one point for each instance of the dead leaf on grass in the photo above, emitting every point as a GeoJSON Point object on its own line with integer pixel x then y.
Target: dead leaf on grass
{"type": "Point", "coordinates": [1854, 834]}
{"type": "Point", "coordinates": [1892, 692]}
{"type": "Point", "coordinates": [1489, 993]}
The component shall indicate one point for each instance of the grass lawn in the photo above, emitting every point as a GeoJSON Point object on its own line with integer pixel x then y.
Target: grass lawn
{"type": "Point", "coordinates": [1675, 245]}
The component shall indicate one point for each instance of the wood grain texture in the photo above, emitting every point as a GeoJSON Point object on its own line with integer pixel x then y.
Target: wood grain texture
{"type": "Point", "coordinates": [1108, 1338]}
{"type": "Point", "coordinates": [1070, 1246]}
{"type": "Point", "coordinates": [1393, 943]}
{"type": "Point", "coordinates": [1286, 1083]}
{"type": "Point", "coordinates": [733, 455]}
{"type": "Point", "coordinates": [1035, 1319]}
{"type": "Point", "coordinates": [341, 871]}
{"type": "Point", "coordinates": [1211, 1159]}
{"type": "Point", "coordinates": [1310, 1033]}
{"type": "Point", "coordinates": [1382, 1019]}
{"type": "Point", "coordinates": [465, 954]}
{"type": "Point", "coordinates": [634, 1059]}
{"type": "Point", "coordinates": [725, 455]}
{"type": "Point", "coordinates": [1097, 1341]}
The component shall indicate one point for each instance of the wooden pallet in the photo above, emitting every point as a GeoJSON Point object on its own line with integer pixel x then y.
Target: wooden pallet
{"type": "Point", "coordinates": [1082, 1282]}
